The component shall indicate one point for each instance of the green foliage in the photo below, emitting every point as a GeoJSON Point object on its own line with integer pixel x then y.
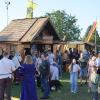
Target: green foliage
{"type": "Point", "coordinates": [65, 25]}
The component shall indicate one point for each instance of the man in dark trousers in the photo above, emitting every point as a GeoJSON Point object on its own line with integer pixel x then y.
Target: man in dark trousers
{"type": "Point", "coordinates": [6, 68]}
{"type": "Point", "coordinates": [44, 74]}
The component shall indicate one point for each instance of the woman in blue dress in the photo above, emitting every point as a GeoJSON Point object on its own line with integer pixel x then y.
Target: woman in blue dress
{"type": "Point", "coordinates": [28, 90]}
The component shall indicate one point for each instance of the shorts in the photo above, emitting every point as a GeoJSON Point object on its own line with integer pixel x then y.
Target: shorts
{"type": "Point", "coordinates": [83, 72]}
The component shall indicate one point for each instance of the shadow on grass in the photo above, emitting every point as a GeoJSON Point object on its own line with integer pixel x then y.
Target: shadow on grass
{"type": "Point", "coordinates": [64, 94]}
{"type": "Point", "coordinates": [16, 91]}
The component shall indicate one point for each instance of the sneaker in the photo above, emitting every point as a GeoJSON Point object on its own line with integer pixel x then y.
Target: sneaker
{"type": "Point", "coordinates": [72, 91]}
{"type": "Point", "coordinates": [81, 84]}
{"type": "Point", "coordinates": [89, 91]}
{"type": "Point", "coordinates": [16, 83]}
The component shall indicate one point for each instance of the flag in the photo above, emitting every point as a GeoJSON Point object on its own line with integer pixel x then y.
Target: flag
{"type": "Point", "coordinates": [30, 7]}
{"type": "Point", "coordinates": [94, 26]}
{"type": "Point", "coordinates": [98, 23]}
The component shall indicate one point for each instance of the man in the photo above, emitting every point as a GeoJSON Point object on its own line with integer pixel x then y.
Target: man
{"type": "Point", "coordinates": [6, 69]}
{"type": "Point", "coordinates": [59, 62]}
{"type": "Point", "coordinates": [34, 55]}
{"type": "Point", "coordinates": [54, 79]}
{"type": "Point", "coordinates": [86, 55]}
{"type": "Point", "coordinates": [83, 66]}
{"type": "Point", "coordinates": [51, 56]}
{"type": "Point", "coordinates": [44, 74]}
{"type": "Point", "coordinates": [17, 60]}
{"type": "Point", "coordinates": [97, 63]}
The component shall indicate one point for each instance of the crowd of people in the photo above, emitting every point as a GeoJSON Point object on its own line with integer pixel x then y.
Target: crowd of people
{"type": "Point", "coordinates": [86, 66]}
{"type": "Point", "coordinates": [45, 70]}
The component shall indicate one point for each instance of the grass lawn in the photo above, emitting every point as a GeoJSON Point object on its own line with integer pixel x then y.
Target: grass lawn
{"type": "Point", "coordinates": [63, 95]}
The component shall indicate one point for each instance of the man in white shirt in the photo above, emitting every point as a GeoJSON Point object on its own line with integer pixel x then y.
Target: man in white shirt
{"type": "Point", "coordinates": [97, 62]}
{"type": "Point", "coordinates": [54, 72]}
{"type": "Point", "coordinates": [6, 69]}
{"type": "Point", "coordinates": [51, 56]}
{"type": "Point", "coordinates": [17, 59]}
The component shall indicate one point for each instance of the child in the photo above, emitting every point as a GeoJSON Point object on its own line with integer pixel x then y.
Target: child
{"type": "Point", "coordinates": [74, 68]}
{"type": "Point", "coordinates": [54, 81]}
{"type": "Point", "coordinates": [94, 83]}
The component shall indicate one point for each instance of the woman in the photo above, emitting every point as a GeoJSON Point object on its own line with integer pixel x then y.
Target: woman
{"type": "Point", "coordinates": [28, 91]}
{"type": "Point", "coordinates": [65, 61]}
{"type": "Point", "coordinates": [91, 64]}
{"type": "Point", "coordinates": [74, 68]}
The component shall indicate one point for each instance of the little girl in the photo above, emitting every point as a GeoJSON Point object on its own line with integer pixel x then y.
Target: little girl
{"type": "Point", "coordinates": [94, 83]}
{"type": "Point", "coordinates": [74, 68]}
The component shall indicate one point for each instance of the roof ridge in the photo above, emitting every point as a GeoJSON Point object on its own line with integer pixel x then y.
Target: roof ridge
{"type": "Point", "coordinates": [30, 18]}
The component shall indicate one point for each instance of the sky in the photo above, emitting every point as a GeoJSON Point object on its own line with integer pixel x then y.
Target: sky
{"type": "Point", "coordinates": [86, 11]}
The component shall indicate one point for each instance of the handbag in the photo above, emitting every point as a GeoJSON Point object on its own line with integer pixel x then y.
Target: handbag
{"type": "Point", "coordinates": [18, 74]}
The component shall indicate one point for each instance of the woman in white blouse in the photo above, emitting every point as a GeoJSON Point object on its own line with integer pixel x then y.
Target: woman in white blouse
{"type": "Point", "coordinates": [74, 68]}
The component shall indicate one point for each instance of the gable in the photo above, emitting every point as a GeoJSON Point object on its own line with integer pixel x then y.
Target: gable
{"type": "Point", "coordinates": [26, 30]}
{"type": "Point", "coordinates": [35, 30]}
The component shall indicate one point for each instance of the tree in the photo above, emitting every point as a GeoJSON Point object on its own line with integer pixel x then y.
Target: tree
{"type": "Point", "coordinates": [93, 36]}
{"type": "Point", "coordinates": [65, 25]}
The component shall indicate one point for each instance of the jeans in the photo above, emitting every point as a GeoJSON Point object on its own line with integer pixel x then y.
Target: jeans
{"type": "Point", "coordinates": [73, 81]}
{"type": "Point", "coordinates": [95, 95]}
{"type": "Point", "coordinates": [45, 86]}
{"type": "Point", "coordinates": [60, 70]}
{"type": "Point", "coordinates": [83, 72]}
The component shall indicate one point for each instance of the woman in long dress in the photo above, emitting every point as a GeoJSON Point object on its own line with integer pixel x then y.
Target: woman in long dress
{"type": "Point", "coordinates": [28, 90]}
{"type": "Point", "coordinates": [91, 64]}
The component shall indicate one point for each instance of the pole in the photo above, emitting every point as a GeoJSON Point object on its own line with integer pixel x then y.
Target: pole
{"type": "Point", "coordinates": [95, 42]}
{"type": "Point", "coordinates": [7, 4]}
{"type": "Point", "coordinates": [7, 14]}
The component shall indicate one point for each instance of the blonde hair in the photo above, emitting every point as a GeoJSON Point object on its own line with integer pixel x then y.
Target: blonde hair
{"type": "Point", "coordinates": [28, 59]}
